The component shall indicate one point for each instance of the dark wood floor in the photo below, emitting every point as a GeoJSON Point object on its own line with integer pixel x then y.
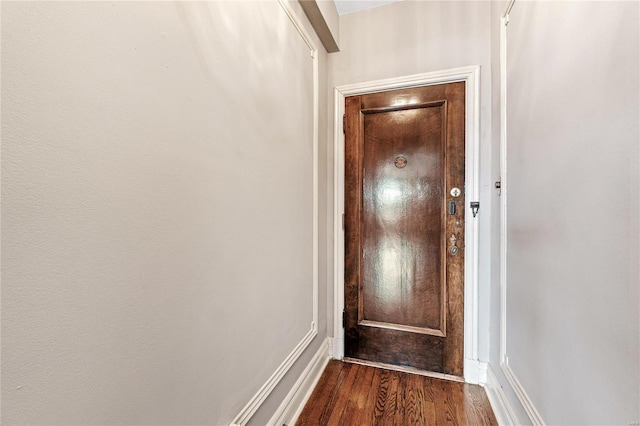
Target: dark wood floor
{"type": "Point", "coordinates": [351, 394]}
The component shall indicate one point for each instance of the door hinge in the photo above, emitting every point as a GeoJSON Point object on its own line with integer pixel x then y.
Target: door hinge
{"type": "Point", "coordinates": [498, 186]}
{"type": "Point", "coordinates": [344, 124]}
{"type": "Point", "coordinates": [344, 319]}
{"type": "Point", "coordinates": [343, 221]}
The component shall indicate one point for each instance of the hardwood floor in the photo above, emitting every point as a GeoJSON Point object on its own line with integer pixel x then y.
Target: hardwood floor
{"type": "Point", "coordinates": [352, 394]}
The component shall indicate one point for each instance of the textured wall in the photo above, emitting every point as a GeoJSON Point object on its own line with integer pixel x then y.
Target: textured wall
{"type": "Point", "coordinates": [573, 213]}
{"type": "Point", "coordinates": [157, 209]}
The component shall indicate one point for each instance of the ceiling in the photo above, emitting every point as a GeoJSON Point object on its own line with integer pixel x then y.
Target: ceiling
{"type": "Point", "coordinates": [349, 6]}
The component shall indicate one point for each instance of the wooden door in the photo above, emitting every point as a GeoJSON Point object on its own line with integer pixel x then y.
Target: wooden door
{"type": "Point", "coordinates": [404, 227]}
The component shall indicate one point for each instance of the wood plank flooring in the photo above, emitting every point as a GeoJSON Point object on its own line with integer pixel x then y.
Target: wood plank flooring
{"type": "Point", "coordinates": [352, 394]}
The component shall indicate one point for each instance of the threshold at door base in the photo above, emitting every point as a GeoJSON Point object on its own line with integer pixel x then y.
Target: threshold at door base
{"type": "Point", "coordinates": [409, 370]}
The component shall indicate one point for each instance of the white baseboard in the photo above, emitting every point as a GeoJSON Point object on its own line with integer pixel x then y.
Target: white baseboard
{"type": "Point", "coordinates": [483, 367]}
{"type": "Point", "coordinates": [526, 402]}
{"type": "Point", "coordinates": [258, 399]}
{"type": "Point", "coordinates": [498, 400]}
{"type": "Point", "coordinates": [475, 372]}
{"type": "Point", "coordinates": [289, 410]}
{"type": "Point", "coordinates": [337, 344]}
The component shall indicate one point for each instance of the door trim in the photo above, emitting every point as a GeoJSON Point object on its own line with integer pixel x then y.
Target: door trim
{"type": "Point", "coordinates": [471, 76]}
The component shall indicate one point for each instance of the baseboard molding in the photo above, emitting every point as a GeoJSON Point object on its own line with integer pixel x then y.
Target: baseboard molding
{"type": "Point", "coordinates": [291, 407]}
{"type": "Point", "coordinates": [475, 371]}
{"type": "Point", "coordinates": [256, 401]}
{"type": "Point", "coordinates": [483, 367]}
{"type": "Point", "coordinates": [337, 344]}
{"type": "Point", "coordinates": [526, 402]}
{"type": "Point", "coordinates": [498, 399]}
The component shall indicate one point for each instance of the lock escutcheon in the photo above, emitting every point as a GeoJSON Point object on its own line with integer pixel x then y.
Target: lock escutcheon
{"type": "Point", "coordinates": [454, 249]}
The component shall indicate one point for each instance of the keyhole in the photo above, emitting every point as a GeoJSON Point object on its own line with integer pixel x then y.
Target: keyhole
{"type": "Point", "coordinates": [400, 162]}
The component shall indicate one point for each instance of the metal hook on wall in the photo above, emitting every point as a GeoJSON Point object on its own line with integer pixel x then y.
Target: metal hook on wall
{"type": "Point", "coordinates": [475, 206]}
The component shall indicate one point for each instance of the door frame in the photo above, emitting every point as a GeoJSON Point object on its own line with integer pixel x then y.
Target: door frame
{"type": "Point", "coordinates": [471, 76]}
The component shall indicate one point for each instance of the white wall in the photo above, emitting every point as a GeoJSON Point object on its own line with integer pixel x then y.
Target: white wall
{"type": "Point", "coordinates": [157, 209]}
{"type": "Point", "coordinates": [411, 37]}
{"type": "Point", "coordinates": [573, 337]}
{"type": "Point", "coordinates": [498, 383]}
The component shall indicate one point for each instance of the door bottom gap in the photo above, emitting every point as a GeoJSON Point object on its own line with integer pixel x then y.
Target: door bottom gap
{"type": "Point", "coordinates": [402, 369]}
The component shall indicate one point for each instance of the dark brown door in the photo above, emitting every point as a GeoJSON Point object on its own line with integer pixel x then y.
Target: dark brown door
{"type": "Point", "coordinates": [404, 227]}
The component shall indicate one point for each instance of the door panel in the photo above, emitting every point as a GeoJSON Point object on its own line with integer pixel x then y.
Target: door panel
{"type": "Point", "coordinates": [403, 287]}
{"type": "Point", "coordinates": [402, 223]}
